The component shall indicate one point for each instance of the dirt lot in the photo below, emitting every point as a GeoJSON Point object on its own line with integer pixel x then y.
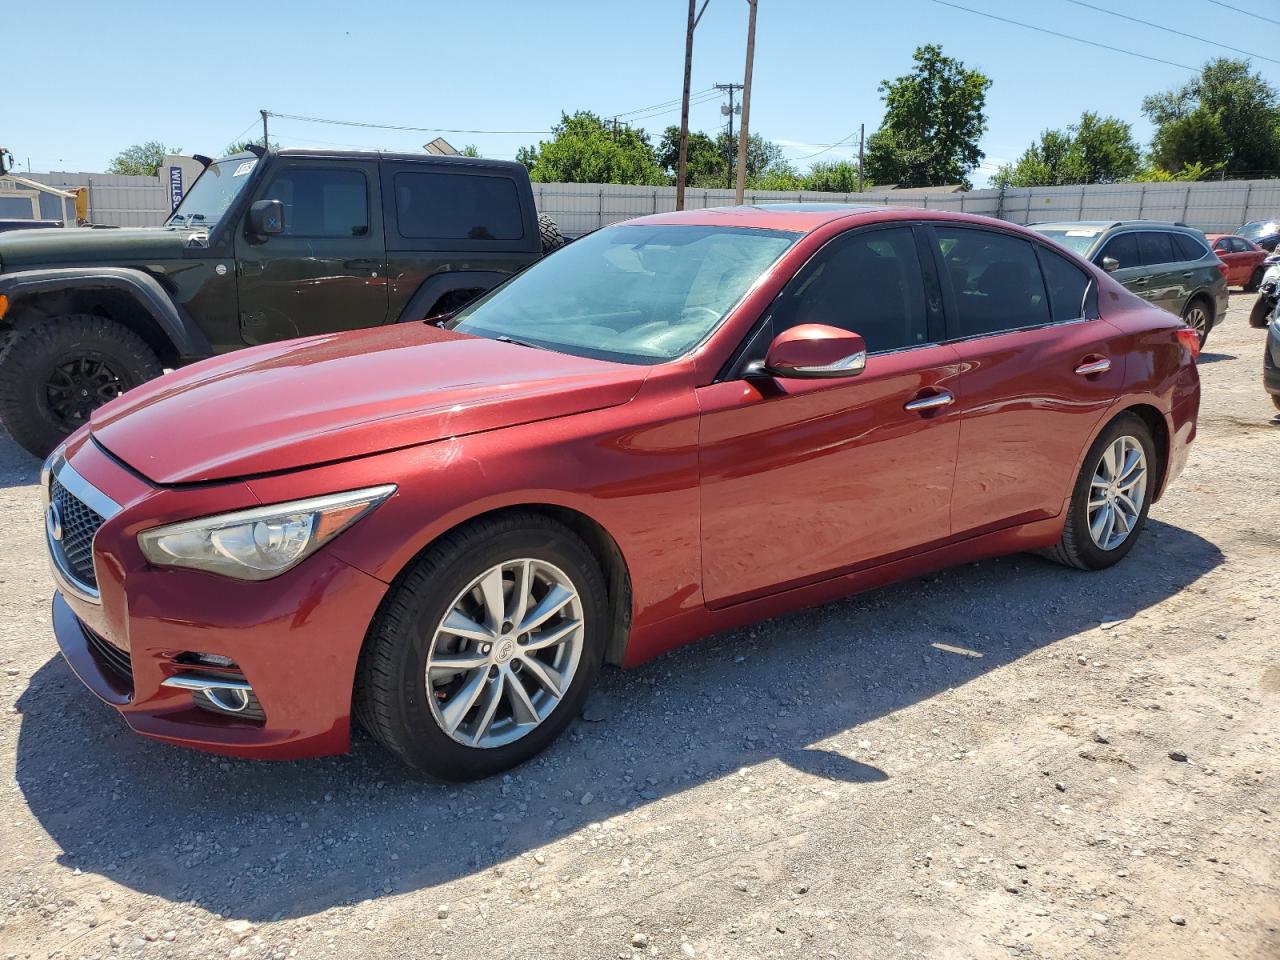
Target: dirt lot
{"type": "Point", "coordinates": [983, 763]}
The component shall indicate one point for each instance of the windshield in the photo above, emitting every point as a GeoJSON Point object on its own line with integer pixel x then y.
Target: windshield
{"type": "Point", "coordinates": [1077, 239]}
{"type": "Point", "coordinates": [637, 294]}
{"type": "Point", "coordinates": [212, 193]}
{"type": "Point", "coordinates": [1259, 228]}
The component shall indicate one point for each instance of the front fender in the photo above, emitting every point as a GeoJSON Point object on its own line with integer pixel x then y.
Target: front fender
{"type": "Point", "coordinates": [182, 332]}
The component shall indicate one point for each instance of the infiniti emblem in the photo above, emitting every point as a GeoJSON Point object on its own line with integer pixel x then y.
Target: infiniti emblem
{"type": "Point", "coordinates": [54, 522]}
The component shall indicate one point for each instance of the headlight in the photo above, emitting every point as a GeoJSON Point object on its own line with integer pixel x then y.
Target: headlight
{"type": "Point", "coordinates": [261, 543]}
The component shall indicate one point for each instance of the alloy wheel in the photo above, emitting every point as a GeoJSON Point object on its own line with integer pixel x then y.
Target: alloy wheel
{"type": "Point", "coordinates": [1197, 318]}
{"type": "Point", "coordinates": [505, 653]}
{"type": "Point", "coordinates": [79, 386]}
{"type": "Point", "coordinates": [1117, 492]}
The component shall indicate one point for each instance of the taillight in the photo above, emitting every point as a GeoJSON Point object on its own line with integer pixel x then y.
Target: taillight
{"type": "Point", "coordinates": [1191, 340]}
{"type": "Point", "coordinates": [1222, 268]}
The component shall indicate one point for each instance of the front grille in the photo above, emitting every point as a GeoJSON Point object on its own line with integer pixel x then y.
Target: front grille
{"type": "Point", "coordinates": [79, 523]}
{"type": "Point", "coordinates": [115, 659]}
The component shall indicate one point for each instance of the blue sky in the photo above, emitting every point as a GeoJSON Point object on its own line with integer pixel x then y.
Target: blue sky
{"type": "Point", "coordinates": [195, 75]}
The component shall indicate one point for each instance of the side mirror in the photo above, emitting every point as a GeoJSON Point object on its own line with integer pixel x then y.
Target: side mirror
{"type": "Point", "coordinates": [1110, 264]}
{"type": "Point", "coordinates": [814, 351]}
{"type": "Point", "coordinates": [266, 217]}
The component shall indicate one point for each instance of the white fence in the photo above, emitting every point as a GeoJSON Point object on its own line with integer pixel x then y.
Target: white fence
{"type": "Point", "coordinates": [580, 207]}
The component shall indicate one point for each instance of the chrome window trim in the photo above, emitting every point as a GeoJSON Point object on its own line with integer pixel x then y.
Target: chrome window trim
{"type": "Point", "coordinates": [57, 468]}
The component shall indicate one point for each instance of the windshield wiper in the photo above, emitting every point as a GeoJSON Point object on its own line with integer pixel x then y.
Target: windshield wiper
{"type": "Point", "coordinates": [519, 343]}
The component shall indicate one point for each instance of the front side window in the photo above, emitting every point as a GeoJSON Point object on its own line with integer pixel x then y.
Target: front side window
{"type": "Point", "coordinates": [635, 293]}
{"type": "Point", "coordinates": [1124, 250]}
{"type": "Point", "coordinates": [322, 203]}
{"type": "Point", "coordinates": [1155, 249]}
{"type": "Point", "coordinates": [1222, 245]}
{"type": "Point", "coordinates": [450, 206]}
{"type": "Point", "coordinates": [995, 281]}
{"type": "Point", "coordinates": [868, 283]}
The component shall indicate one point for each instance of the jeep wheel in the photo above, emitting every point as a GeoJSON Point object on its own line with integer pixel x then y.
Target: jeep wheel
{"type": "Point", "coordinates": [552, 238]}
{"type": "Point", "coordinates": [56, 372]}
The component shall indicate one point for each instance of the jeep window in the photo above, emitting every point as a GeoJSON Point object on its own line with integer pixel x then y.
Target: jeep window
{"type": "Point", "coordinates": [213, 193]}
{"type": "Point", "coordinates": [322, 202]}
{"type": "Point", "coordinates": [635, 294]}
{"type": "Point", "coordinates": [449, 206]}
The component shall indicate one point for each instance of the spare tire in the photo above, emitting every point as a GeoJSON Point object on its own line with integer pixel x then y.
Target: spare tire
{"type": "Point", "coordinates": [552, 238]}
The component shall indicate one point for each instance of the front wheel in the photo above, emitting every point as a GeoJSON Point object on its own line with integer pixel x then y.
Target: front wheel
{"type": "Point", "coordinates": [1196, 316]}
{"type": "Point", "coordinates": [1111, 497]}
{"type": "Point", "coordinates": [485, 650]}
{"type": "Point", "coordinates": [55, 373]}
{"type": "Point", "coordinates": [1260, 315]}
{"type": "Point", "coordinates": [1255, 280]}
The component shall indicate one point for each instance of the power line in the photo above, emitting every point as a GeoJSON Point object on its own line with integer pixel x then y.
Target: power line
{"type": "Point", "coordinates": [1066, 36]}
{"type": "Point", "coordinates": [392, 126]}
{"type": "Point", "coordinates": [830, 146]}
{"type": "Point", "coordinates": [1247, 13]}
{"type": "Point", "coordinates": [1177, 33]}
{"type": "Point", "coordinates": [664, 104]}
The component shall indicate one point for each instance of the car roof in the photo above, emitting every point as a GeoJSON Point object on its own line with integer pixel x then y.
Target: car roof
{"type": "Point", "coordinates": [1109, 224]}
{"type": "Point", "coordinates": [804, 217]}
{"type": "Point", "coordinates": [374, 155]}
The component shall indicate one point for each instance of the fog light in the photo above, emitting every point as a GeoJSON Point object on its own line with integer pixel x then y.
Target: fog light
{"type": "Point", "coordinates": [206, 660]}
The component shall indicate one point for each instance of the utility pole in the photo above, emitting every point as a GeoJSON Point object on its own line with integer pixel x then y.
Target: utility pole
{"type": "Point", "coordinates": [862, 130]}
{"type": "Point", "coordinates": [266, 144]}
{"type": "Point", "coordinates": [683, 161]}
{"type": "Point", "coordinates": [746, 102]}
{"type": "Point", "coordinates": [729, 111]}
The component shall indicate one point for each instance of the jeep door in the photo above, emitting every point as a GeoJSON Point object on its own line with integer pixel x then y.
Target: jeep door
{"type": "Point", "coordinates": [326, 270]}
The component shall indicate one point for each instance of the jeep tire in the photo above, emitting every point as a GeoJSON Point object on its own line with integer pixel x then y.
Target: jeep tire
{"type": "Point", "coordinates": [552, 238]}
{"type": "Point", "coordinates": [56, 371]}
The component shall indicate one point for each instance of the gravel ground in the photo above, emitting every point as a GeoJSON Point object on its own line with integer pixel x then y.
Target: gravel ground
{"type": "Point", "coordinates": [1006, 759]}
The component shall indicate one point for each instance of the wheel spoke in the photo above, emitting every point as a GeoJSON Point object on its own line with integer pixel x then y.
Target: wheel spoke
{"type": "Point", "coordinates": [1128, 507]}
{"type": "Point", "coordinates": [494, 601]}
{"type": "Point", "coordinates": [459, 662]}
{"type": "Point", "coordinates": [460, 704]}
{"type": "Point", "coordinates": [555, 601]}
{"type": "Point", "coordinates": [1099, 525]}
{"type": "Point", "coordinates": [553, 635]}
{"type": "Point", "coordinates": [522, 708]}
{"type": "Point", "coordinates": [460, 625]}
{"type": "Point", "coordinates": [546, 675]}
{"type": "Point", "coordinates": [521, 592]}
{"type": "Point", "coordinates": [493, 697]}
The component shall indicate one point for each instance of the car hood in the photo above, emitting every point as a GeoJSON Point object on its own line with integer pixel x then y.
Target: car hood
{"type": "Point", "coordinates": [335, 397]}
{"type": "Point", "coordinates": [92, 246]}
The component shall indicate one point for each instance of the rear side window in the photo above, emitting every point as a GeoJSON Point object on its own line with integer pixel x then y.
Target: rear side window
{"type": "Point", "coordinates": [1068, 286]}
{"type": "Point", "coordinates": [1155, 248]}
{"type": "Point", "coordinates": [1188, 247]}
{"type": "Point", "coordinates": [995, 281]}
{"type": "Point", "coordinates": [867, 282]}
{"type": "Point", "coordinates": [322, 203]}
{"type": "Point", "coordinates": [1123, 249]}
{"type": "Point", "coordinates": [450, 206]}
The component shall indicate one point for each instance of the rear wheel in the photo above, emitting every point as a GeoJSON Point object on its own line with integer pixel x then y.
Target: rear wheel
{"type": "Point", "coordinates": [486, 649]}
{"type": "Point", "coordinates": [55, 373]}
{"type": "Point", "coordinates": [1275, 398]}
{"type": "Point", "coordinates": [1255, 281]}
{"type": "Point", "coordinates": [1111, 497]}
{"type": "Point", "coordinates": [1196, 315]}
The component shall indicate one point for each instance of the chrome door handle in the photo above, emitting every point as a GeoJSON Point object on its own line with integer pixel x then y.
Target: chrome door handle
{"type": "Point", "coordinates": [931, 402]}
{"type": "Point", "coordinates": [1141, 279]}
{"type": "Point", "coordinates": [1101, 365]}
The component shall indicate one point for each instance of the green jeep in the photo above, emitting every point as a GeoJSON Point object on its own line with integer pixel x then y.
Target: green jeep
{"type": "Point", "coordinates": [264, 246]}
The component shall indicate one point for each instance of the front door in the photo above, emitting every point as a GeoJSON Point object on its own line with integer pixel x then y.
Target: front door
{"type": "Point", "coordinates": [327, 270]}
{"type": "Point", "coordinates": [806, 479]}
{"type": "Point", "coordinates": [1038, 374]}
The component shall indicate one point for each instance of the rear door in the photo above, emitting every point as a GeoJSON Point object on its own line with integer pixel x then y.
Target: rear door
{"type": "Point", "coordinates": [806, 479]}
{"type": "Point", "coordinates": [327, 270]}
{"type": "Point", "coordinates": [1164, 268]}
{"type": "Point", "coordinates": [1038, 373]}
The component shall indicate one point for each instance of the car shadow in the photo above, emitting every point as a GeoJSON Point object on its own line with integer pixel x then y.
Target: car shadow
{"type": "Point", "coordinates": [17, 467]}
{"type": "Point", "coordinates": [259, 841]}
{"type": "Point", "coordinates": [1215, 357]}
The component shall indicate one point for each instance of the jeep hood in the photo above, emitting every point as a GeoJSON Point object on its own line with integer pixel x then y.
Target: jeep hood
{"type": "Point", "coordinates": [335, 397]}
{"type": "Point", "coordinates": [90, 246]}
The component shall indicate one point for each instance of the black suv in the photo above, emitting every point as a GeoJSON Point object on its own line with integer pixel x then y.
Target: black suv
{"type": "Point", "coordinates": [264, 246]}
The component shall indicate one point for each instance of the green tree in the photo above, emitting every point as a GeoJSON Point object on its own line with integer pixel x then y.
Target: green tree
{"type": "Point", "coordinates": [1093, 150]}
{"type": "Point", "coordinates": [241, 146]}
{"type": "Point", "coordinates": [584, 149]}
{"type": "Point", "coordinates": [709, 161]}
{"type": "Point", "coordinates": [1228, 116]}
{"type": "Point", "coordinates": [470, 150]}
{"type": "Point", "coordinates": [141, 159]}
{"type": "Point", "coordinates": [934, 117]}
{"type": "Point", "coordinates": [840, 176]}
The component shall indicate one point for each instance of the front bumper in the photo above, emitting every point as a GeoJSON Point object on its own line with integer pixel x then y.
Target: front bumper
{"type": "Point", "coordinates": [295, 639]}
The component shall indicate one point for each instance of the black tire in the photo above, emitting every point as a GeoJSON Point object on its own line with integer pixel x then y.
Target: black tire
{"type": "Point", "coordinates": [391, 689]}
{"type": "Point", "coordinates": [1260, 315]}
{"type": "Point", "coordinates": [1206, 308]}
{"type": "Point", "coordinates": [1255, 281]}
{"type": "Point", "coordinates": [1076, 548]}
{"type": "Point", "coordinates": [37, 395]}
{"type": "Point", "coordinates": [1275, 398]}
{"type": "Point", "coordinates": [552, 238]}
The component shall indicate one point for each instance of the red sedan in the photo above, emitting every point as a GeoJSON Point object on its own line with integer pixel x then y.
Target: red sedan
{"type": "Point", "coordinates": [673, 426]}
{"type": "Point", "coordinates": [1243, 258]}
